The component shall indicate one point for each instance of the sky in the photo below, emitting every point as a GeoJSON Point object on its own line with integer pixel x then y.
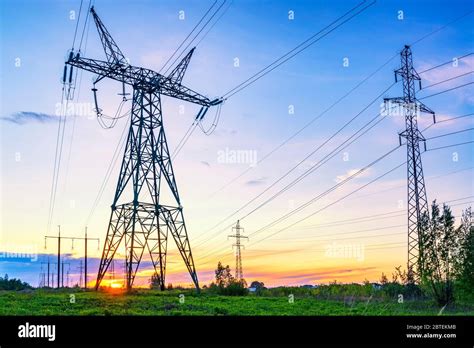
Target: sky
{"type": "Point", "coordinates": [334, 243]}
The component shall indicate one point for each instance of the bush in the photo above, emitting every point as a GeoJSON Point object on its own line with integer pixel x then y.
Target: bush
{"type": "Point", "coordinates": [13, 284]}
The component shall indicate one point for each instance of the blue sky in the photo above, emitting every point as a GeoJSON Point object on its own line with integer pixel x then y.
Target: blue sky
{"type": "Point", "coordinates": [256, 120]}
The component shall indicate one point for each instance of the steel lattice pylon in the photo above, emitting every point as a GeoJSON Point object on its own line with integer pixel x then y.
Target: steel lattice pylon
{"type": "Point", "coordinates": [141, 221]}
{"type": "Point", "coordinates": [239, 274]}
{"type": "Point", "coordinates": [417, 201]}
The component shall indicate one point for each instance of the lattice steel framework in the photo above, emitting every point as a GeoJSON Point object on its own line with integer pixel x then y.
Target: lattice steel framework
{"type": "Point", "coordinates": [143, 222]}
{"type": "Point", "coordinates": [417, 201]}
{"type": "Point", "coordinates": [239, 274]}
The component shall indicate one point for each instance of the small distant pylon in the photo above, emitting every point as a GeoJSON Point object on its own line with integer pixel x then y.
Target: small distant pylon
{"type": "Point", "coordinates": [238, 256]}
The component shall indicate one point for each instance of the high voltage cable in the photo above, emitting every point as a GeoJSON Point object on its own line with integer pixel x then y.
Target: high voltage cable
{"type": "Point", "coordinates": [450, 79]}
{"type": "Point", "coordinates": [373, 217]}
{"type": "Point", "coordinates": [328, 205]}
{"type": "Point", "coordinates": [446, 120]}
{"type": "Point", "coordinates": [352, 192]}
{"type": "Point", "coordinates": [52, 196]}
{"type": "Point", "coordinates": [87, 18]}
{"type": "Point", "coordinates": [77, 25]}
{"type": "Point", "coordinates": [108, 173]}
{"type": "Point", "coordinates": [448, 146]}
{"type": "Point", "coordinates": [306, 239]}
{"type": "Point", "coordinates": [335, 202]}
{"type": "Point", "coordinates": [78, 87]}
{"type": "Point", "coordinates": [350, 232]}
{"type": "Point", "coordinates": [321, 162]}
{"type": "Point", "coordinates": [187, 37]}
{"type": "Point", "coordinates": [60, 136]}
{"type": "Point", "coordinates": [312, 169]}
{"type": "Point", "coordinates": [429, 178]}
{"type": "Point", "coordinates": [307, 124]}
{"type": "Point", "coordinates": [195, 36]}
{"type": "Point", "coordinates": [442, 27]}
{"type": "Point", "coordinates": [451, 133]}
{"type": "Point", "coordinates": [327, 192]}
{"type": "Point", "coordinates": [215, 22]}
{"type": "Point", "coordinates": [445, 91]}
{"type": "Point", "coordinates": [358, 85]}
{"type": "Point", "coordinates": [246, 83]}
{"type": "Point", "coordinates": [443, 64]}
{"type": "Point", "coordinates": [284, 58]}
{"type": "Point", "coordinates": [321, 195]}
{"type": "Point", "coordinates": [381, 246]}
{"type": "Point", "coordinates": [195, 123]}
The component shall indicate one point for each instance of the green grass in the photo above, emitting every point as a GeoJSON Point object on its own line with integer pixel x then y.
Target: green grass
{"type": "Point", "coordinates": [151, 302]}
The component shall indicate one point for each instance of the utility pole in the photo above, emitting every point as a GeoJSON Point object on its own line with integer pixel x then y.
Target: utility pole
{"type": "Point", "coordinates": [48, 271]}
{"type": "Point", "coordinates": [417, 201]}
{"type": "Point", "coordinates": [112, 270]}
{"type": "Point", "coordinates": [238, 256]}
{"type": "Point", "coordinates": [80, 273]}
{"type": "Point", "coordinates": [141, 218]}
{"type": "Point", "coordinates": [59, 237]}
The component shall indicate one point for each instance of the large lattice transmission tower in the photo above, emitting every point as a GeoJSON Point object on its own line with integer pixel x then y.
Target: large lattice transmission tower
{"type": "Point", "coordinates": [417, 202]}
{"type": "Point", "coordinates": [146, 207]}
{"type": "Point", "coordinates": [239, 275]}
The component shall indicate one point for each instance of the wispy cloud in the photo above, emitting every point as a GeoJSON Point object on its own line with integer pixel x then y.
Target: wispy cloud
{"type": "Point", "coordinates": [256, 182]}
{"type": "Point", "coordinates": [463, 68]}
{"type": "Point", "coordinates": [351, 172]}
{"type": "Point", "coordinates": [23, 117]}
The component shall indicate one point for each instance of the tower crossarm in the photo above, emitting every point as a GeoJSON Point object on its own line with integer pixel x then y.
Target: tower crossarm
{"type": "Point", "coordinates": [140, 78]}
{"type": "Point", "coordinates": [405, 102]}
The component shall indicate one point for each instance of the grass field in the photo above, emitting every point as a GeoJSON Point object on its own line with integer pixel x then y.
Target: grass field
{"type": "Point", "coordinates": [151, 302]}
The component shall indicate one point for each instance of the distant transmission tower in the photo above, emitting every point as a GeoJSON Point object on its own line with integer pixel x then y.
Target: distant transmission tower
{"type": "Point", "coordinates": [238, 256]}
{"type": "Point", "coordinates": [139, 219]}
{"type": "Point", "coordinates": [417, 201]}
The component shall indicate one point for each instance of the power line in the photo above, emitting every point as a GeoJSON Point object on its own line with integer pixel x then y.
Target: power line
{"type": "Point", "coordinates": [314, 199]}
{"type": "Point", "coordinates": [329, 205]}
{"type": "Point", "coordinates": [60, 135]}
{"type": "Point", "coordinates": [74, 117]}
{"type": "Point", "coordinates": [446, 120]}
{"type": "Point", "coordinates": [217, 20]}
{"type": "Point", "coordinates": [344, 96]}
{"type": "Point", "coordinates": [323, 225]}
{"type": "Point", "coordinates": [306, 239]}
{"type": "Point", "coordinates": [196, 122]}
{"type": "Point", "coordinates": [333, 188]}
{"type": "Point", "coordinates": [450, 79]}
{"type": "Point", "coordinates": [445, 91]}
{"type": "Point", "coordinates": [187, 37]}
{"type": "Point", "coordinates": [448, 62]}
{"type": "Point", "coordinates": [451, 133]}
{"type": "Point", "coordinates": [284, 58]}
{"type": "Point", "coordinates": [87, 18]}
{"type": "Point", "coordinates": [195, 36]}
{"type": "Point", "coordinates": [358, 189]}
{"type": "Point", "coordinates": [448, 146]}
{"type": "Point", "coordinates": [442, 28]}
{"type": "Point", "coordinates": [313, 168]}
{"type": "Point", "coordinates": [108, 173]}
{"type": "Point", "coordinates": [370, 218]}
{"type": "Point", "coordinates": [77, 25]}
